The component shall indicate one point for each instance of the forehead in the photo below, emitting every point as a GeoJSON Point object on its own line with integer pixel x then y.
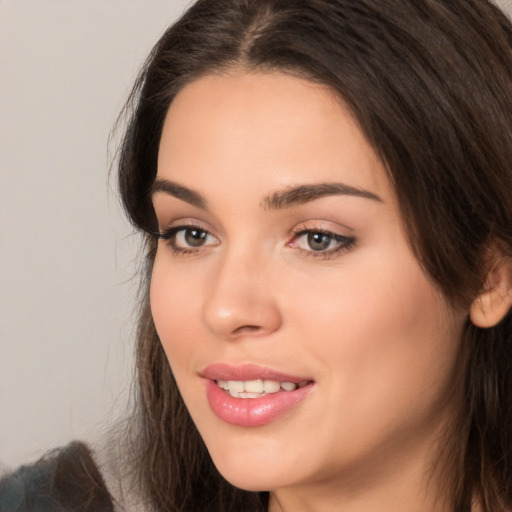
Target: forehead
{"type": "Point", "coordinates": [268, 129]}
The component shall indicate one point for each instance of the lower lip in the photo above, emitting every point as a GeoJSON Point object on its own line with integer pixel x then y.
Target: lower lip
{"type": "Point", "coordinates": [252, 412]}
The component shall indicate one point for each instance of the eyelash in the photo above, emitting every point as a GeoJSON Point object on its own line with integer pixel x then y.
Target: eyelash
{"type": "Point", "coordinates": [169, 236]}
{"type": "Point", "coordinates": [343, 243]}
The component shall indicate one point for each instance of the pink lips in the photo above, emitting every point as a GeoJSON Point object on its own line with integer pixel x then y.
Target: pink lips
{"type": "Point", "coordinates": [251, 412]}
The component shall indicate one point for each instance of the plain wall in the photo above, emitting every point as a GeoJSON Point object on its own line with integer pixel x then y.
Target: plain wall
{"type": "Point", "coordinates": [67, 257]}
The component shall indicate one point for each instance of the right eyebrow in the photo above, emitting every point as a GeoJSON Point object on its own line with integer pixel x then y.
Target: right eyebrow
{"type": "Point", "coordinates": [302, 194]}
{"type": "Point", "coordinates": [179, 191]}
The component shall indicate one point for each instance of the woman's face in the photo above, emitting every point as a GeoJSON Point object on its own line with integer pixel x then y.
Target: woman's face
{"type": "Point", "coordinates": [284, 267]}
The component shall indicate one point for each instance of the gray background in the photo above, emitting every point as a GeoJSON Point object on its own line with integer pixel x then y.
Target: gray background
{"type": "Point", "coordinates": [67, 257]}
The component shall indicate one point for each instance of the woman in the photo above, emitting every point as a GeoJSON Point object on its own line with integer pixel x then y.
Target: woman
{"type": "Point", "coordinates": [326, 196]}
{"type": "Point", "coordinates": [326, 193]}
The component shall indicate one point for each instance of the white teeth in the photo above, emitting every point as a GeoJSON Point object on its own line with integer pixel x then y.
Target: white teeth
{"type": "Point", "coordinates": [249, 395]}
{"type": "Point", "coordinates": [223, 384]}
{"type": "Point", "coordinates": [271, 386]}
{"type": "Point", "coordinates": [236, 385]}
{"type": "Point", "coordinates": [255, 388]}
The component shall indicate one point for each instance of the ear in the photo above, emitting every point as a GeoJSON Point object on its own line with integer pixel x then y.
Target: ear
{"type": "Point", "coordinates": [495, 300]}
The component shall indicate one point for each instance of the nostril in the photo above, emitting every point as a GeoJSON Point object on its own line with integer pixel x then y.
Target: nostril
{"type": "Point", "coordinates": [246, 329]}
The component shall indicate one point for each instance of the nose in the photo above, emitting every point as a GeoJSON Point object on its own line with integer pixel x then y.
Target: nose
{"type": "Point", "coordinates": [241, 299]}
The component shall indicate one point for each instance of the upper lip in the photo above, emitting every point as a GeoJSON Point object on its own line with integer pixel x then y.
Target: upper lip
{"type": "Point", "coordinates": [243, 372]}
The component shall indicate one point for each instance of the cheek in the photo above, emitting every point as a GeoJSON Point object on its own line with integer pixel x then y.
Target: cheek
{"type": "Point", "coordinates": [175, 309]}
{"type": "Point", "coordinates": [385, 332]}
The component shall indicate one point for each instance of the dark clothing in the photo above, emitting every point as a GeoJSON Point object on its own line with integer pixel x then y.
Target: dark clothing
{"type": "Point", "coordinates": [65, 480]}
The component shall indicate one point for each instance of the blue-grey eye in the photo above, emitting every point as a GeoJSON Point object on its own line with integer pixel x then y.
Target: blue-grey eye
{"type": "Point", "coordinates": [319, 241]}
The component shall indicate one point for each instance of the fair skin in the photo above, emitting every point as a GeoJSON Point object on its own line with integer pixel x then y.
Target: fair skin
{"type": "Point", "coordinates": [324, 288]}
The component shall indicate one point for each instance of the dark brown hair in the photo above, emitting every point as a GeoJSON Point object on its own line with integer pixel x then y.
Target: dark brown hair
{"type": "Point", "coordinates": [430, 84]}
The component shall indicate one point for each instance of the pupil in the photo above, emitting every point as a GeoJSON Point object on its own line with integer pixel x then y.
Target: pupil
{"type": "Point", "coordinates": [318, 241]}
{"type": "Point", "coordinates": [195, 237]}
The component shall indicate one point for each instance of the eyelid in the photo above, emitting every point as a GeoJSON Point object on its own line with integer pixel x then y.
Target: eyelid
{"type": "Point", "coordinates": [344, 242]}
{"type": "Point", "coordinates": [322, 226]}
{"type": "Point", "coordinates": [172, 231]}
{"type": "Point", "coordinates": [182, 223]}
{"type": "Point", "coordinates": [169, 236]}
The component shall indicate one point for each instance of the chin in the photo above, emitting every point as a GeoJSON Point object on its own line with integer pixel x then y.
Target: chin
{"type": "Point", "coordinates": [250, 478]}
{"type": "Point", "coordinates": [252, 462]}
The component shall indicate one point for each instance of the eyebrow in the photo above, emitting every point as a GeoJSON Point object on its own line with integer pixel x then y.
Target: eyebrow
{"type": "Point", "coordinates": [305, 193]}
{"type": "Point", "coordinates": [279, 200]}
{"type": "Point", "coordinates": [179, 191]}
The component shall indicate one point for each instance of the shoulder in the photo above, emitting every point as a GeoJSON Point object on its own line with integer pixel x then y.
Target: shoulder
{"type": "Point", "coordinates": [64, 480]}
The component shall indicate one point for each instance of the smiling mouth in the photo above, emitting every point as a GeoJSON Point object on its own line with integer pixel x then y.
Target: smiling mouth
{"type": "Point", "coordinates": [257, 388]}
{"type": "Point", "coordinates": [250, 395]}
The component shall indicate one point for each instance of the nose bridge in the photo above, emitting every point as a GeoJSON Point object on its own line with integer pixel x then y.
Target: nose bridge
{"type": "Point", "coordinates": [240, 299]}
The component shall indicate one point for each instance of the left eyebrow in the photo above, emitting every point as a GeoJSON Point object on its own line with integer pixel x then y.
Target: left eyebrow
{"type": "Point", "coordinates": [302, 194]}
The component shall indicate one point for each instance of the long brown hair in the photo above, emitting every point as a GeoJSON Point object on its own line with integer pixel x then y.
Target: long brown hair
{"type": "Point", "coordinates": [430, 84]}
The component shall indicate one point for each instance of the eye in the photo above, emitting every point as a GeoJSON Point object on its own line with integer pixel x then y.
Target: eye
{"type": "Point", "coordinates": [319, 242]}
{"type": "Point", "coordinates": [191, 237]}
{"type": "Point", "coordinates": [186, 239]}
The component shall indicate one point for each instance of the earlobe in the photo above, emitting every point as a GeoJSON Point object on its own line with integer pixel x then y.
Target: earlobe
{"type": "Point", "coordinates": [495, 300]}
